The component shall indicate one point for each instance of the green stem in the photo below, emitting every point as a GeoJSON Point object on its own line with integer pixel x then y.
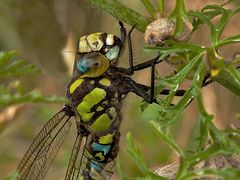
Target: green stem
{"type": "Point", "coordinates": [161, 6]}
{"type": "Point", "coordinates": [149, 7]}
{"type": "Point", "coordinates": [178, 13]}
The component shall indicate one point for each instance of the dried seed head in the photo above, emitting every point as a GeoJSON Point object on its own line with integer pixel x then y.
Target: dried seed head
{"type": "Point", "coordinates": [162, 29]}
{"type": "Point", "coordinates": [159, 30]}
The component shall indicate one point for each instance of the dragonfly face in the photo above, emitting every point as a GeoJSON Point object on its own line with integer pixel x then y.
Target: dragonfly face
{"type": "Point", "coordinates": [95, 54]}
{"type": "Point", "coordinates": [95, 95]}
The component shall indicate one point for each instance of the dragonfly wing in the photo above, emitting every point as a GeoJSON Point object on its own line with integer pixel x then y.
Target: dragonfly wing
{"type": "Point", "coordinates": [81, 160]}
{"type": "Point", "coordinates": [73, 168]}
{"type": "Point", "coordinates": [44, 148]}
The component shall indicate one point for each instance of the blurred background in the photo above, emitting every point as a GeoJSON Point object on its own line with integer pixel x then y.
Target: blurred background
{"type": "Point", "coordinates": [46, 33]}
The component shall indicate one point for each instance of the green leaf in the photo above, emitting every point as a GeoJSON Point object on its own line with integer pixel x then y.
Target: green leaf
{"type": "Point", "coordinates": [210, 11]}
{"type": "Point", "coordinates": [229, 78]}
{"type": "Point", "coordinates": [12, 176]}
{"type": "Point", "coordinates": [228, 173]}
{"type": "Point", "coordinates": [13, 93]}
{"type": "Point", "coordinates": [149, 7]}
{"type": "Point", "coordinates": [119, 170]}
{"type": "Point", "coordinates": [122, 13]}
{"type": "Point", "coordinates": [207, 21]}
{"type": "Point", "coordinates": [138, 158]}
{"type": "Point", "coordinates": [11, 67]}
{"type": "Point", "coordinates": [9, 98]}
{"type": "Point", "coordinates": [229, 40]}
{"type": "Point", "coordinates": [226, 15]}
{"type": "Point", "coordinates": [175, 48]}
{"type": "Point", "coordinates": [174, 81]}
{"type": "Point", "coordinates": [166, 136]}
{"type": "Point", "coordinates": [136, 154]}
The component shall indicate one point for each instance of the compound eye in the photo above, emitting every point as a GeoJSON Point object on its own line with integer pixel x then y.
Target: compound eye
{"type": "Point", "coordinates": [113, 53]}
{"type": "Point", "coordinates": [82, 65]}
{"type": "Point", "coordinates": [85, 63]}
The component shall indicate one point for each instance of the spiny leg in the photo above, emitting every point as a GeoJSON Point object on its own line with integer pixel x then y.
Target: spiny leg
{"type": "Point", "coordinates": [130, 53]}
{"type": "Point", "coordinates": [132, 68]}
{"type": "Point", "coordinates": [123, 35]}
{"type": "Point", "coordinates": [141, 90]}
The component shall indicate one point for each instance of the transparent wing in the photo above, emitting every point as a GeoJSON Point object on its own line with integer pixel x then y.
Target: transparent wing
{"type": "Point", "coordinates": [73, 168]}
{"type": "Point", "coordinates": [44, 148]}
{"type": "Point", "coordinates": [81, 159]}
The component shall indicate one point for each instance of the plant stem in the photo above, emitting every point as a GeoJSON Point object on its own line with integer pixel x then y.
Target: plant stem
{"type": "Point", "coordinates": [149, 7]}
{"type": "Point", "coordinates": [161, 6]}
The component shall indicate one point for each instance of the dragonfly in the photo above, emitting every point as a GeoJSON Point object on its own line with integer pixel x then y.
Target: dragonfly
{"type": "Point", "coordinates": [95, 94]}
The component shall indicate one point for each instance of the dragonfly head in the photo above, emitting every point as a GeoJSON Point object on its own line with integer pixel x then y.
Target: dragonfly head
{"type": "Point", "coordinates": [96, 53]}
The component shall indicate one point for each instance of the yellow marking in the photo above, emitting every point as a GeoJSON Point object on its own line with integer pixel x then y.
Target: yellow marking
{"type": "Point", "coordinates": [113, 112]}
{"type": "Point", "coordinates": [81, 178]}
{"type": "Point", "coordinates": [95, 42]}
{"type": "Point", "coordinates": [215, 72]}
{"type": "Point", "coordinates": [106, 49]}
{"type": "Point", "coordinates": [92, 82]}
{"type": "Point", "coordinates": [92, 98]}
{"type": "Point", "coordinates": [99, 108]}
{"type": "Point", "coordinates": [107, 139]}
{"type": "Point", "coordinates": [110, 39]}
{"type": "Point", "coordinates": [101, 124]}
{"type": "Point", "coordinates": [74, 85]}
{"type": "Point", "coordinates": [83, 45]}
{"type": "Point", "coordinates": [100, 156]}
{"type": "Point", "coordinates": [105, 82]}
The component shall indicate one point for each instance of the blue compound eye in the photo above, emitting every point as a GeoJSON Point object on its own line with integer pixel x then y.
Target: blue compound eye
{"type": "Point", "coordinates": [82, 66]}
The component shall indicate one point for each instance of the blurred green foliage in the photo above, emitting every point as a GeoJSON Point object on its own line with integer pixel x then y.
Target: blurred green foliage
{"type": "Point", "coordinates": [223, 73]}
{"type": "Point", "coordinates": [12, 91]}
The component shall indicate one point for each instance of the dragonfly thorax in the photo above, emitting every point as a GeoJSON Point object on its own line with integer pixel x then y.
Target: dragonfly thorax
{"type": "Point", "coordinates": [96, 101]}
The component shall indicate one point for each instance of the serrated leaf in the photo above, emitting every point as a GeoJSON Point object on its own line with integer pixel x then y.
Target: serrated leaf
{"type": "Point", "coordinates": [10, 67]}
{"type": "Point", "coordinates": [7, 97]}
{"type": "Point", "coordinates": [174, 47]}
{"type": "Point", "coordinates": [177, 79]}
{"type": "Point", "coordinates": [123, 13]}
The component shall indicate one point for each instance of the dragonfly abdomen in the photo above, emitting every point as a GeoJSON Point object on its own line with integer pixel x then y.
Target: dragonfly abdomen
{"type": "Point", "coordinates": [96, 103]}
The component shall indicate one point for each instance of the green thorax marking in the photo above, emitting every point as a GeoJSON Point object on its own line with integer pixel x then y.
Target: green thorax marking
{"type": "Point", "coordinates": [91, 99]}
{"type": "Point", "coordinates": [94, 97]}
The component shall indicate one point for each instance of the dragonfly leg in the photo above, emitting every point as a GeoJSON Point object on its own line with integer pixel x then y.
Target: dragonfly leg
{"type": "Point", "coordinates": [123, 35]}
